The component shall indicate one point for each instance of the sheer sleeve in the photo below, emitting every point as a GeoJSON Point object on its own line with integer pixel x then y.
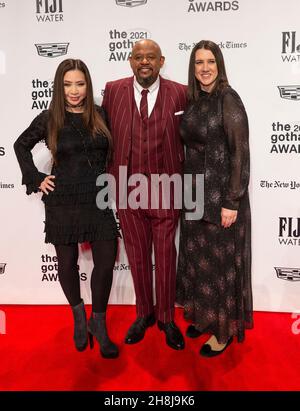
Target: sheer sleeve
{"type": "Point", "coordinates": [36, 132]}
{"type": "Point", "coordinates": [236, 128]}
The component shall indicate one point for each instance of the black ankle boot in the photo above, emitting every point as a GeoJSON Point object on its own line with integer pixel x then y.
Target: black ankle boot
{"type": "Point", "coordinates": [97, 328]}
{"type": "Point", "coordinates": [80, 327]}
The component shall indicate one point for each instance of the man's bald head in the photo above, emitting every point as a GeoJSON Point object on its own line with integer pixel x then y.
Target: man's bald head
{"type": "Point", "coordinates": [147, 43]}
{"type": "Point", "coordinates": [146, 61]}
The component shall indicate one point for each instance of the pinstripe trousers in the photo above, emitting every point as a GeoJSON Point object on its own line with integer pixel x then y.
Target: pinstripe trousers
{"type": "Point", "coordinates": [143, 229]}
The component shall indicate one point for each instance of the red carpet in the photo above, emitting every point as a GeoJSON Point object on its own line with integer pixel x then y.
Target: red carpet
{"type": "Point", "coordinates": [37, 353]}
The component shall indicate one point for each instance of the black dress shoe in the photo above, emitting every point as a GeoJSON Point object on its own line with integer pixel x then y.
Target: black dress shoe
{"type": "Point", "coordinates": [192, 332]}
{"type": "Point", "coordinates": [207, 351]}
{"type": "Point", "coordinates": [137, 330]}
{"type": "Point", "coordinates": [174, 338]}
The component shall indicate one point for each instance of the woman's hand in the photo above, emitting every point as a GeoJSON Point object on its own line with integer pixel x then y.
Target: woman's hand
{"type": "Point", "coordinates": [47, 184]}
{"type": "Point", "coordinates": [228, 217]}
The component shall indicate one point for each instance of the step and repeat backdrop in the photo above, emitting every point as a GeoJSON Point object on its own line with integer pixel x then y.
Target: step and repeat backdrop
{"type": "Point", "coordinates": [260, 40]}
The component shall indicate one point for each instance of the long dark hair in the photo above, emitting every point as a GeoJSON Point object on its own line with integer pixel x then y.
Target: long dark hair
{"type": "Point", "coordinates": [221, 80]}
{"type": "Point", "coordinates": [92, 119]}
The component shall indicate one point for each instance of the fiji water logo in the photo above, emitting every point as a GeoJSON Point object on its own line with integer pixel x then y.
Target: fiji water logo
{"type": "Point", "coordinates": [289, 231]}
{"type": "Point", "coordinates": [290, 47]}
{"type": "Point", "coordinates": [49, 11]}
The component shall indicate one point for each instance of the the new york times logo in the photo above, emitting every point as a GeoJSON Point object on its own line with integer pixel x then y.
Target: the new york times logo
{"type": "Point", "coordinates": [289, 231]}
{"type": "Point", "coordinates": [207, 6]}
{"type": "Point", "coordinates": [131, 3]}
{"type": "Point", "coordinates": [290, 51]}
{"type": "Point", "coordinates": [5, 186]}
{"type": "Point", "coordinates": [49, 11]}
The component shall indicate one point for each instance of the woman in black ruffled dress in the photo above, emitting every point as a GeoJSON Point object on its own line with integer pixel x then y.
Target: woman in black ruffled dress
{"type": "Point", "coordinates": [214, 262]}
{"type": "Point", "coordinates": [80, 143]}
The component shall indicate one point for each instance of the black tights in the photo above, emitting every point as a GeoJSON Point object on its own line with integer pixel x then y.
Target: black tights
{"type": "Point", "coordinates": [104, 255]}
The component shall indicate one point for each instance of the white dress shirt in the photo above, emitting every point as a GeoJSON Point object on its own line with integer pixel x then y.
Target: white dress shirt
{"type": "Point", "coordinates": [151, 97]}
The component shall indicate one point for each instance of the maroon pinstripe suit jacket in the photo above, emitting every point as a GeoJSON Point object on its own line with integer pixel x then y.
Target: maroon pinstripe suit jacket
{"type": "Point", "coordinates": [118, 105]}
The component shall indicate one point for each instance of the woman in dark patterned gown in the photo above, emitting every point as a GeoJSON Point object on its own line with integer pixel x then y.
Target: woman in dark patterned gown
{"type": "Point", "coordinates": [214, 263]}
{"type": "Point", "coordinates": [75, 132]}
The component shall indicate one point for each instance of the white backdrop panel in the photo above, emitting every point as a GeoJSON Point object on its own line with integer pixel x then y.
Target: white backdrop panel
{"type": "Point", "coordinates": [260, 41]}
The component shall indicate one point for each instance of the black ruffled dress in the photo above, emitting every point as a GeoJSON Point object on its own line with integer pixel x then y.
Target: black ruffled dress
{"type": "Point", "coordinates": [71, 213]}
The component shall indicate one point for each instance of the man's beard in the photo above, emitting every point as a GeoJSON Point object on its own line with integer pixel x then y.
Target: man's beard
{"type": "Point", "coordinates": [146, 82]}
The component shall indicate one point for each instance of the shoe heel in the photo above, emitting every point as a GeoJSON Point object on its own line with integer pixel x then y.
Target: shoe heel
{"type": "Point", "coordinates": [91, 341]}
{"type": "Point", "coordinates": [109, 355]}
{"type": "Point", "coordinates": [80, 326]}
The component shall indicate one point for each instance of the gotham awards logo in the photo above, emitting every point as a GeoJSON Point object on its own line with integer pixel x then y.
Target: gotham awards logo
{"type": "Point", "coordinates": [49, 11]}
{"type": "Point", "coordinates": [212, 6]}
{"type": "Point", "coordinates": [285, 138]}
{"type": "Point", "coordinates": [121, 42]}
{"type": "Point", "coordinates": [41, 94]}
{"type": "Point", "coordinates": [49, 269]}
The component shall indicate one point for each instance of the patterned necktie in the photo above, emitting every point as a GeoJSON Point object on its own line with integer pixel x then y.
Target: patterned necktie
{"type": "Point", "coordinates": [144, 106]}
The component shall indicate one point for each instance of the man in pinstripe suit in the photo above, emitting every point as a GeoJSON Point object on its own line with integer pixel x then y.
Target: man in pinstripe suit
{"type": "Point", "coordinates": [144, 114]}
